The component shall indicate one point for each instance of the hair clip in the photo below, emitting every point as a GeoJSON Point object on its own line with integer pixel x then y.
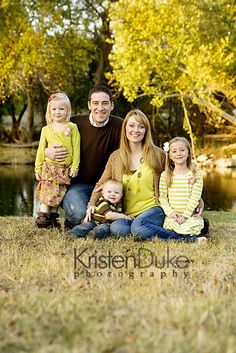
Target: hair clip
{"type": "Point", "coordinates": [51, 97]}
{"type": "Point", "coordinates": [166, 146]}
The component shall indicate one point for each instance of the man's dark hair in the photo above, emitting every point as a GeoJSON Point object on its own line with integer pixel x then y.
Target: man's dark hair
{"type": "Point", "coordinates": [97, 89]}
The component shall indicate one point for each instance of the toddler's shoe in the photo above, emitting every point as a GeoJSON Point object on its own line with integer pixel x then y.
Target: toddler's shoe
{"type": "Point", "coordinates": [43, 220]}
{"type": "Point", "coordinates": [54, 220]}
{"type": "Point", "coordinates": [91, 234]}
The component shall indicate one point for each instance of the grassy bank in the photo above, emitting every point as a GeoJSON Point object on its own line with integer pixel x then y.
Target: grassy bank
{"type": "Point", "coordinates": [14, 154]}
{"type": "Point", "coordinates": [21, 154]}
{"type": "Point", "coordinates": [45, 309]}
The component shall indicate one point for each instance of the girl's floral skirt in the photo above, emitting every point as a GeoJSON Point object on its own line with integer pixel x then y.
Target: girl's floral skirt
{"type": "Point", "coordinates": [53, 184]}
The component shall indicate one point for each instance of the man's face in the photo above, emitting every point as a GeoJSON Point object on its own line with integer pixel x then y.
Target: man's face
{"type": "Point", "coordinates": [100, 107]}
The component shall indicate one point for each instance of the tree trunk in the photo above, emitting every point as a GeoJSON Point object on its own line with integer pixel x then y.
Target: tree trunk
{"type": "Point", "coordinates": [105, 49]}
{"type": "Point", "coordinates": [102, 63]}
{"type": "Point", "coordinates": [187, 127]}
{"type": "Point", "coordinates": [42, 111]}
{"type": "Point", "coordinates": [154, 117]}
{"type": "Point", "coordinates": [15, 134]}
{"type": "Point", "coordinates": [15, 123]}
{"type": "Point", "coordinates": [30, 117]}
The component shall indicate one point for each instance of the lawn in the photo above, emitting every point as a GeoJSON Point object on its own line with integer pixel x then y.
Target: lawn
{"type": "Point", "coordinates": [61, 295]}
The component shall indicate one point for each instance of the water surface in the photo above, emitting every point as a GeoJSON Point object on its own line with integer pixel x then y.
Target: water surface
{"type": "Point", "coordinates": [17, 184]}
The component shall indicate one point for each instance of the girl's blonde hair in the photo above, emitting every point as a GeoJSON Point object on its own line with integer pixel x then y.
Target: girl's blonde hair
{"type": "Point", "coordinates": [58, 97]}
{"type": "Point", "coordinates": [148, 152]}
{"type": "Point", "coordinates": [169, 168]}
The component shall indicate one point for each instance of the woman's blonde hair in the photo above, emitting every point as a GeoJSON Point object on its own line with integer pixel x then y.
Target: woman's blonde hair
{"type": "Point", "coordinates": [169, 168]}
{"type": "Point", "coordinates": [148, 152]}
{"type": "Point", "coordinates": [58, 97]}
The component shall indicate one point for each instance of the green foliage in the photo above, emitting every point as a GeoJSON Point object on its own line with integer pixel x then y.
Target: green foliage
{"type": "Point", "coordinates": [49, 44]}
{"type": "Point", "coordinates": [47, 47]}
{"type": "Point", "coordinates": [163, 49]}
{"type": "Point", "coordinates": [175, 48]}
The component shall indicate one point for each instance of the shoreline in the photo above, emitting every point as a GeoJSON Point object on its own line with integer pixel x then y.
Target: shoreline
{"type": "Point", "coordinates": [13, 154]}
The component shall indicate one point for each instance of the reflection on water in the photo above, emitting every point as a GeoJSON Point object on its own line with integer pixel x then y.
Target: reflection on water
{"type": "Point", "coordinates": [16, 190]}
{"type": "Point", "coordinates": [17, 185]}
{"type": "Point", "coordinates": [219, 191]}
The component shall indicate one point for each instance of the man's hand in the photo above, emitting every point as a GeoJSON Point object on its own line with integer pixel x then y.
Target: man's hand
{"type": "Point", "coordinates": [90, 210]}
{"type": "Point", "coordinates": [55, 153]}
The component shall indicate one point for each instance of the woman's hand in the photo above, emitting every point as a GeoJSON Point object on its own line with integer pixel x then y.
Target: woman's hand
{"type": "Point", "coordinates": [89, 212]}
{"type": "Point", "coordinates": [199, 210]}
{"type": "Point", "coordinates": [55, 153]}
{"type": "Point", "coordinates": [98, 189]}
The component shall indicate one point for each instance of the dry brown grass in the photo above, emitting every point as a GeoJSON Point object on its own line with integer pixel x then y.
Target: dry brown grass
{"type": "Point", "coordinates": [44, 309]}
{"type": "Point", "coordinates": [16, 155]}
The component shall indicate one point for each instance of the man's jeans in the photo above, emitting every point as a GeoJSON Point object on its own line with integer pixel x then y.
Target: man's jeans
{"type": "Point", "coordinates": [146, 225]}
{"type": "Point", "coordinates": [75, 203]}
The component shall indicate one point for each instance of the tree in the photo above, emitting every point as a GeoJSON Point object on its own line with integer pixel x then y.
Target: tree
{"type": "Point", "coordinates": [49, 47]}
{"type": "Point", "coordinates": [176, 48]}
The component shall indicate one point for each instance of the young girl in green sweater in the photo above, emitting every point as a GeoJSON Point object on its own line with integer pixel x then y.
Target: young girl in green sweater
{"type": "Point", "coordinates": [54, 176]}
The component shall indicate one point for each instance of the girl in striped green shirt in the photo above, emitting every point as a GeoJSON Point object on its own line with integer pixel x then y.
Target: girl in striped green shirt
{"type": "Point", "coordinates": [180, 190]}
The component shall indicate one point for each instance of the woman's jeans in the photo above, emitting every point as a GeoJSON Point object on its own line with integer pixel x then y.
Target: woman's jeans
{"type": "Point", "coordinates": [101, 231]}
{"type": "Point", "coordinates": [147, 225]}
{"type": "Point", "coordinates": [75, 203]}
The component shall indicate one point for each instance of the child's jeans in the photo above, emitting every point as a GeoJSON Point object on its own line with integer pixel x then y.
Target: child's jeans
{"type": "Point", "coordinates": [81, 230]}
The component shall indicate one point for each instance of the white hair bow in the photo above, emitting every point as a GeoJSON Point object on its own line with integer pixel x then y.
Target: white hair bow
{"type": "Point", "coordinates": [166, 146]}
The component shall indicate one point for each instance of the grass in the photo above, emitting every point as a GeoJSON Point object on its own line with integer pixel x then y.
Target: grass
{"type": "Point", "coordinates": [44, 309]}
{"type": "Point", "coordinates": [17, 155]}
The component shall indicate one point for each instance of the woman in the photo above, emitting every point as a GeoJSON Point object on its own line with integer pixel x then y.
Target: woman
{"type": "Point", "coordinates": [138, 163]}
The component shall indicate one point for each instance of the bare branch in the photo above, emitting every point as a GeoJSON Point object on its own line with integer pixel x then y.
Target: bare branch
{"type": "Point", "coordinates": [208, 104]}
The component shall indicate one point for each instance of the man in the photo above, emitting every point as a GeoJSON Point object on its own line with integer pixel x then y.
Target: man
{"type": "Point", "coordinates": [100, 136]}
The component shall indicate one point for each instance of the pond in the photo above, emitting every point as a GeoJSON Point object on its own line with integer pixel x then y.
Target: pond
{"type": "Point", "coordinates": [17, 186]}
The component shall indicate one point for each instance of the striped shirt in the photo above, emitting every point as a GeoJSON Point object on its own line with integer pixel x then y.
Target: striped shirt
{"type": "Point", "coordinates": [182, 196]}
{"type": "Point", "coordinates": [102, 207]}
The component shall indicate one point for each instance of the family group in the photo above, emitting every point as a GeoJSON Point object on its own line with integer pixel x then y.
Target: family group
{"type": "Point", "coordinates": [111, 179]}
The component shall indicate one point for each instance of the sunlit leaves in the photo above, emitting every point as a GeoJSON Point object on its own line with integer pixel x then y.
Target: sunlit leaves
{"type": "Point", "coordinates": [163, 48]}
{"type": "Point", "coordinates": [45, 43]}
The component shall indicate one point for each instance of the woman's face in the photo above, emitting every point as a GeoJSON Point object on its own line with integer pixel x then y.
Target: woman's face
{"type": "Point", "coordinates": [135, 131]}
